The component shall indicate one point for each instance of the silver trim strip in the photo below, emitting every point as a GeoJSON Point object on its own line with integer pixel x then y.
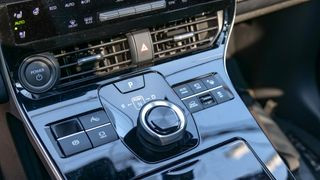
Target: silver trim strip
{"type": "Point", "coordinates": [65, 137]}
{"type": "Point", "coordinates": [103, 125]}
{"type": "Point", "coordinates": [203, 92]}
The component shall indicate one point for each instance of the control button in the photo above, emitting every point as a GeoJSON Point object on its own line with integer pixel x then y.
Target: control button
{"type": "Point", "coordinates": [161, 123]}
{"type": "Point", "coordinates": [69, 4]}
{"type": "Point", "coordinates": [131, 84]}
{"type": "Point", "coordinates": [106, 16]}
{"type": "Point", "coordinates": [143, 8]}
{"type": "Point", "coordinates": [102, 135]}
{"type": "Point", "coordinates": [94, 119]}
{"type": "Point", "coordinates": [126, 12]}
{"type": "Point", "coordinates": [72, 23]}
{"type": "Point", "coordinates": [221, 95]}
{"type": "Point", "coordinates": [211, 82]}
{"type": "Point", "coordinates": [183, 91]}
{"type": "Point", "coordinates": [207, 100]}
{"type": "Point", "coordinates": [142, 42]}
{"type": "Point", "coordinates": [75, 143]}
{"type": "Point", "coordinates": [158, 5]}
{"type": "Point", "coordinates": [193, 104]}
{"type": "Point", "coordinates": [37, 73]}
{"type": "Point", "coordinates": [163, 120]}
{"type": "Point", "coordinates": [88, 20]}
{"type": "Point", "coordinates": [197, 86]}
{"type": "Point", "coordinates": [66, 128]}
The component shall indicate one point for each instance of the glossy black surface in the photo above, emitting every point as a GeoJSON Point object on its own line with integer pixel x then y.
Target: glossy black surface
{"type": "Point", "coordinates": [126, 157]}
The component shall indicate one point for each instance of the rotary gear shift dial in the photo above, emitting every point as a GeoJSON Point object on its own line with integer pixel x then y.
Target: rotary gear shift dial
{"type": "Point", "coordinates": [161, 123]}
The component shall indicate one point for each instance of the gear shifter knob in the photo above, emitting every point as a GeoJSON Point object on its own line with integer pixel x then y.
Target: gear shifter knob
{"type": "Point", "coordinates": [161, 123]}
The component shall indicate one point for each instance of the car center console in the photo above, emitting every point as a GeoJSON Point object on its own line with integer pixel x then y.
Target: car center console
{"type": "Point", "coordinates": [132, 90]}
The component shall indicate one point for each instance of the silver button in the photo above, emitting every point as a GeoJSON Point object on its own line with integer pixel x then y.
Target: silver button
{"type": "Point", "coordinates": [126, 12]}
{"type": "Point", "coordinates": [158, 5]}
{"type": "Point", "coordinates": [143, 8]}
{"type": "Point", "coordinates": [106, 16]}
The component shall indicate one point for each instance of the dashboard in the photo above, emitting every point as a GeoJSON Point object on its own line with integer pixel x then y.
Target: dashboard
{"type": "Point", "coordinates": [131, 90]}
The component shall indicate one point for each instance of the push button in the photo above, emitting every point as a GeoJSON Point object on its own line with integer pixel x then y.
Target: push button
{"type": "Point", "coordinates": [211, 82]}
{"type": "Point", "coordinates": [66, 128]}
{"type": "Point", "coordinates": [197, 86]}
{"type": "Point", "coordinates": [221, 95]}
{"type": "Point", "coordinates": [94, 119]}
{"type": "Point", "coordinates": [75, 143]}
{"type": "Point", "coordinates": [193, 104]}
{"type": "Point", "coordinates": [131, 84]}
{"type": "Point", "coordinates": [142, 42]}
{"type": "Point", "coordinates": [102, 135]}
{"type": "Point", "coordinates": [183, 91]}
{"type": "Point", "coordinates": [37, 73]}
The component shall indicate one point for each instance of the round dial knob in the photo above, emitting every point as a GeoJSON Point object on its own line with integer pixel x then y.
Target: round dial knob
{"type": "Point", "coordinates": [161, 123]}
{"type": "Point", "coordinates": [39, 73]}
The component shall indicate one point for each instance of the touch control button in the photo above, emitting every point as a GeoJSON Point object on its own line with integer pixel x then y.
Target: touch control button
{"type": "Point", "coordinates": [193, 104]}
{"type": "Point", "coordinates": [197, 86]}
{"type": "Point", "coordinates": [37, 73]}
{"type": "Point", "coordinates": [94, 119]}
{"type": "Point", "coordinates": [131, 84]}
{"type": "Point", "coordinates": [183, 91]}
{"type": "Point", "coordinates": [75, 143]}
{"type": "Point", "coordinates": [211, 82]}
{"type": "Point", "coordinates": [102, 135]}
{"type": "Point", "coordinates": [221, 95]}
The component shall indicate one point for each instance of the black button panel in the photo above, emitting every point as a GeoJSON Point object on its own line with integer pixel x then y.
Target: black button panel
{"type": "Point", "coordinates": [204, 92]}
{"type": "Point", "coordinates": [74, 137]}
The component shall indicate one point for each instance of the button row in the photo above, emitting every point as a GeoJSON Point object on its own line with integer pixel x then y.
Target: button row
{"type": "Point", "coordinates": [203, 93]}
{"type": "Point", "coordinates": [110, 15]}
{"type": "Point", "coordinates": [198, 86]}
{"type": "Point", "coordinates": [83, 133]}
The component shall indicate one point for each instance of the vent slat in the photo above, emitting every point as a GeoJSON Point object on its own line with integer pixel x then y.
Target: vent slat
{"type": "Point", "coordinates": [204, 29]}
{"type": "Point", "coordinates": [115, 56]}
{"type": "Point", "coordinates": [186, 24]}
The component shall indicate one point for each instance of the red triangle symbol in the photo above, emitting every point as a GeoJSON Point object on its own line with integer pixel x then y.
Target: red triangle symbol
{"type": "Point", "coordinates": [144, 48]}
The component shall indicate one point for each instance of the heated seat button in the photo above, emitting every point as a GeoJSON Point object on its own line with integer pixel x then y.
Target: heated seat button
{"type": "Point", "coordinates": [193, 104]}
{"type": "Point", "coordinates": [211, 81]}
{"type": "Point", "coordinates": [102, 135]}
{"type": "Point", "coordinates": [197, 86]}
{"type": "Point", "coordinates": [131, 84]}
{"type": "Point", "coordinates": [222, 95]}
{"type": "Point", "coordinates": [94, 119]}
{"type": "Point", "coordinates": [74, 143]}
{"type": "Point", "coordinates": [37, 73]}
{"type": "Point", "coordinates": [183, 91]}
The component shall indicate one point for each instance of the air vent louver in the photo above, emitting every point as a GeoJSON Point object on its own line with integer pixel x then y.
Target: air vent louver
{"type": "Point", "coordinates": [103, 57]}
{"type": "Point", "coordinates": [186, 35]}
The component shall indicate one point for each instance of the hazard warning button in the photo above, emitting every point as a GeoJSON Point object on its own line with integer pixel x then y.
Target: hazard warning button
{"type": "Point", "coordinates": [143, 50]}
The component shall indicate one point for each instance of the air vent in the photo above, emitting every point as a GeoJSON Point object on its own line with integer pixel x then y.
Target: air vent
{"type": "Point", "coordinates": [91, 60]}
{"type": "Point", "coordinates": [186, 35]}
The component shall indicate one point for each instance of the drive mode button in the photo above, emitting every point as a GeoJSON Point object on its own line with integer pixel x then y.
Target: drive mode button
{"type": "Point", "coordinates": [131, 84]}
{"type": "Point", "coordinates": [37, 73]}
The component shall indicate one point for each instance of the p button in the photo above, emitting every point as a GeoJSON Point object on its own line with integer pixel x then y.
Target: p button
{"type": "Point", "coordinates": [131, 84]}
